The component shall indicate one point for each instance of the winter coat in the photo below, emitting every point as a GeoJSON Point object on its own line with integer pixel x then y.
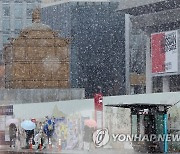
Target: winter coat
{"type": "Point", "coordinates": [12, 130]}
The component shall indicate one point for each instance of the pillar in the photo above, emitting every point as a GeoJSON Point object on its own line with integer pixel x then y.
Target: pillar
{"type": "Point", "coordinates": [127, 53]}
{"type": "Point", "coordinates": [148, 66]}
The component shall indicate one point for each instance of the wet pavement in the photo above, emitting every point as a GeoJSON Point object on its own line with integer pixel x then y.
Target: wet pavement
{"type": "Point", "coordinates": [7, 150]}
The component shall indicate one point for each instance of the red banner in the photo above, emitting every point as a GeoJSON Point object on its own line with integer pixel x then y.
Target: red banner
{"type": "Point", "coordinates": [164, 52]}
{"type": "Point", "coordinates": [158, 52]}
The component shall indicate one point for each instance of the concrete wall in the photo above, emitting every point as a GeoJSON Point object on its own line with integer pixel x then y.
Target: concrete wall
{"type": "Point", "coordinates": [17, 96]}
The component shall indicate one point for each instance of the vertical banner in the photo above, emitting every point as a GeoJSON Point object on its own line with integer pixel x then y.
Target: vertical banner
{"type": "Point", "coordinates": [98, 106]}
{"type": "Point", "coordinates": [171, 50]}
{"type": "Point", "coordinates": [158, 52]}
{"type": "Point", "coordinates": [164, 52]}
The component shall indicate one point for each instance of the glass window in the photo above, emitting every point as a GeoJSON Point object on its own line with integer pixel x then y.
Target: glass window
{"type": "Point", "coordinates": [18, 10]}
{"type": "Point", "coordinates": [6, 10]}
{"type": "Point", "coordinates": [18, 26]}
{"type": "Point", "coordinates": [134, 124]}
{"type": "Point", "coordinates": [5, 1]}
{"type": "Point", "coordinates": [5, 39]}
{"type": "Point", "coordinates": [141, 125]}
{"type": "Point", "coordinates": [6, 25]}
{"type": "Point", "coordinates": [29, 22]}
{"type": "Point", "coordinates": [29, 10]}
{"type": "Point", "coordinates": [159, 120]}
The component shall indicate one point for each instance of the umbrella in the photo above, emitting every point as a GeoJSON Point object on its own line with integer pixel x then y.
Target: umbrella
{"type": "Point", "coordinates": [28, 125]}
{"type": "Point", "coordinates": [12, 121]}
{"type": "Point", "coordinates": [90, 123]}
{"type": "Point", "coordinates": [33, 120]}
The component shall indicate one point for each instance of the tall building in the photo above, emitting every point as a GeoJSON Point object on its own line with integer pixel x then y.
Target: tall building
{"type": "Point", "coordinates": [14, 16]}
{"type": "Point", "coordinates": [97, 38]}
{"type": "Point", "coordinates": [152, 41]}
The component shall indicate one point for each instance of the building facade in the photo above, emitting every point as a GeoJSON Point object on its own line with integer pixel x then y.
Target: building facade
{"type": "Point", "coordinates": [152, 39]}
{"type": "Point", "coordinates": [97, 43]}
{"type": "Point", "coordinates": [37, 58]}
{"type": "Point", "coordinates": [14, 16]}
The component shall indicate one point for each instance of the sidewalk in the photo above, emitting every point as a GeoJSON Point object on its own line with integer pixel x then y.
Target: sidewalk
{"type": "Point", "coordinates": [8, 150]}
{"type": "Point", "coordinates": [54, 151]}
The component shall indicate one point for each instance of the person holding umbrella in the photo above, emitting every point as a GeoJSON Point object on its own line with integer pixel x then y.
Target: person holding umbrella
{"type": "Point", "coordinates": [29, 127]}
{"type": "Point", "coordinates": [29, 135]}
{"type": "Point", "coordinates": [89, 127]}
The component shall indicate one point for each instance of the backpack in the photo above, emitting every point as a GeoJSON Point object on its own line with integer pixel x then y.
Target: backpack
{"type": "Point", "coordinates": [50, 127]}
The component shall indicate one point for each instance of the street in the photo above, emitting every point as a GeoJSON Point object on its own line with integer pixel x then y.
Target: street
{"type": "Point", "coordinates": [54, 151]}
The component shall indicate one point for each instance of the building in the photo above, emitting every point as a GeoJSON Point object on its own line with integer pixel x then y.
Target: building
{"type": "Point", "coordinates": [152, 30]}
{"type": "Point", "coordinates": [152, 37]}
{"type": "Point", "coordinates": [38, 58]}
{"type": "Point", "coordinates": [97, 43]}
{"type": "Point", "coordinates": [14, 16]}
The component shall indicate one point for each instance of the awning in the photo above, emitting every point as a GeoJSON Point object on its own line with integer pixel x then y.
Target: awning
{"type": "Point", "coordinates": [138, 105]}
{"type": "Point", "coordinates": [165, 98]}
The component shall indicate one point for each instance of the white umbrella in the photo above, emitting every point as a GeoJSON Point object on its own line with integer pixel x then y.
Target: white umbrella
{"type": "Point", "coordinates": [28, 125]}
{"type": "Point", "coordinates": [12, 121]}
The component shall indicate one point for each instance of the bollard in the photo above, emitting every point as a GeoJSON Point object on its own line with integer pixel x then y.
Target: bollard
{"type": "Point", "coordinates": [40, 145]}
{"type": "Point", "coordinates": [59, 145]}
{"type": "Point", "coordinates": [50, 144]}
{"type": "Point", "coordinates": [30, 144]}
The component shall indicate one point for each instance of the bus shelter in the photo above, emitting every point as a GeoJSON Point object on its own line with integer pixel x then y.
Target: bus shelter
{"type": "Point", "coordinates": [148, 126]}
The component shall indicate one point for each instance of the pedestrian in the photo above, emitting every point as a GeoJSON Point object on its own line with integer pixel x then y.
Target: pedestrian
{"type": "Point", "coordinates": [17, 144]}
{"type": "Point", "coordinates": [49, 129]}
{"type": "Point", "coordinates": [87, 137]}
{"type": "Point", "coordinates": [12, 134]}
{"type": "Point", "coordinates": [29, 136]}
{"type": "Point", "coordinates": [40, 140]}
{"type": "Point", "coordinates": [22, 138]}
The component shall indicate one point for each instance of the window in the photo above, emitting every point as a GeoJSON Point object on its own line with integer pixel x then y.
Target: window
{"type": "Point", "coordinates": [29, 22]}
{"type": "Point", "coordinates": [6, 10]}
{"type": "Point", "coordinates": [18, 10]}
{"type": "Point", "coordinates": [6, 26]}
{"type": "Point", "coordinates": [5, 1]}
{"type": "Point", "coordinates": [134, 124]}
{"type": "Point", "coordinates": [29, 10]}
{"type": "Point", "coordinates": [5, 39]}
{"type": "Point", "coordinates": [18, 26]}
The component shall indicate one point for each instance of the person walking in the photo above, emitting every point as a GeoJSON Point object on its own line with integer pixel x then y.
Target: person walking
{"type": "Point", "coordinates": [87, 137]}
{"type": "Point", "coordinates": [29, 136]}
{"type": "Point", "coordinates": [40, 140]}
{"type": "Point", "coordinates": [12, 134]}
{"type": "Point", "coordinates": [49, 129]}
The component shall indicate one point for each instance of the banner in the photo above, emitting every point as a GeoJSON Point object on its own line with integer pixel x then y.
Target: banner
{"type": "Point", "coordinates": [98, 106]}
{"type": "Point", "coordinates": [6, 110]}
{"type": "Point", "coordinates": [164, 52]}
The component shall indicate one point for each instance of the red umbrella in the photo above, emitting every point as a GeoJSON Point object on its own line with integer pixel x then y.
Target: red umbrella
{"type": "Point", "coordinates": [33, 120]}
{"type": "Point", "coordinates": [90, 123]}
